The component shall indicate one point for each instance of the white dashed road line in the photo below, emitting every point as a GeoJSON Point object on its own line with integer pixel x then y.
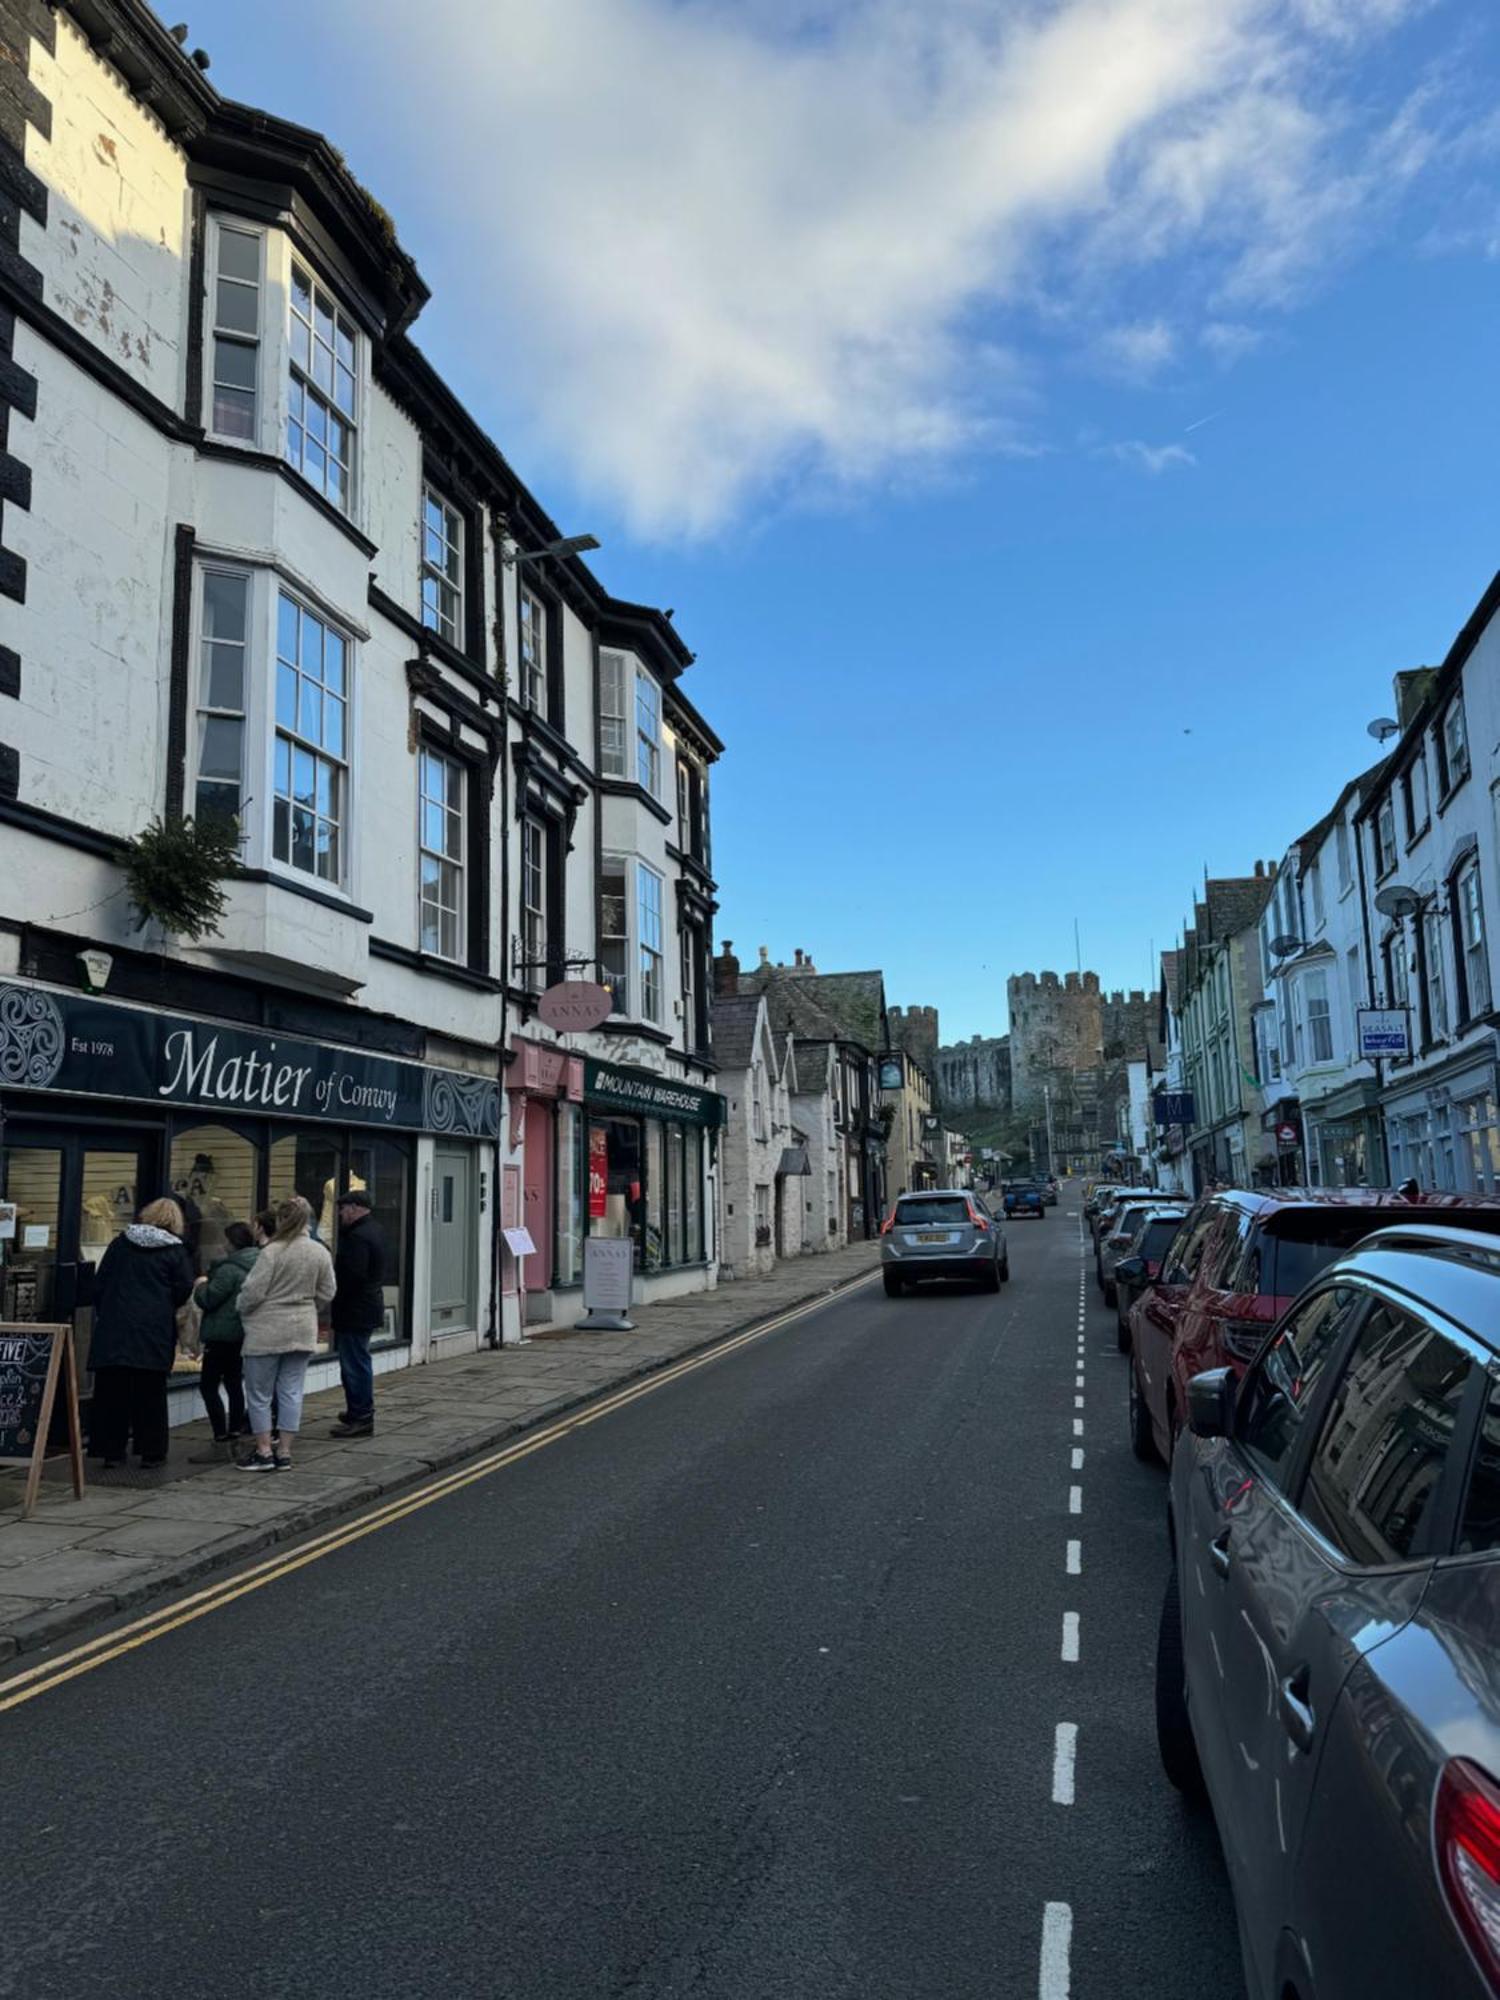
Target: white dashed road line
{"type": "Point", "coordinates": [1064, 1762]}
{"type": "Point", "coordinates": [1070, 1636]}
{"type": "Point", "coordinates": [1077, 1458]}
{"type": "Point", "coordinates": [1055, 1982]}
{"type": "Point", "coordinates": [1075, 1559]}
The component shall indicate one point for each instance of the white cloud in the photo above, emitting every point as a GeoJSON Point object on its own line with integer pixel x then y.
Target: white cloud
{"type": "Point", "coordinates": [1139, 350]}
{"type": "Point", "coordinates": [1152, 458]}
{"type": "Point", "coordinates": [712, 248]}
{"type": "Point", "coordinates": [1229, 340]}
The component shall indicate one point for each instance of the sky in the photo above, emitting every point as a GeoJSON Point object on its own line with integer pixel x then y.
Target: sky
{"type": "Point", "coordinates": [1052, 422]}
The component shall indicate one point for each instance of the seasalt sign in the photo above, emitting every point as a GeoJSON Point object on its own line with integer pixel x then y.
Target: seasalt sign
{"type": "Point", "coordinates": [59, 1041]}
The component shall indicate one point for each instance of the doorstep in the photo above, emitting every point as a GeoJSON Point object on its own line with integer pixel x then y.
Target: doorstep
{"type": "Point", "coordinates": [77, 1563]}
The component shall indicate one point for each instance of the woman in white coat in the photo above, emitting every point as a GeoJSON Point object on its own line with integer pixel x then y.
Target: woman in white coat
{"type": "Point", "coordinates": [282, 1303]}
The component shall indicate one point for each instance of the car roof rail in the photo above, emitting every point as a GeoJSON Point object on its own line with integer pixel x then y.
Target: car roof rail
{"type": "Point", "coordinates": [1474, 1246]}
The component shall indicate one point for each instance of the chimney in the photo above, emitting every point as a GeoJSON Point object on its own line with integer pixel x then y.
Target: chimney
{"type": "Point", "coordinates": [1260, 869]}
{"type": "Point", "coordinates": [726, 973]}
{"type": "Point", "coordinates": [1410, 689]}
{"type": "Point", "coordinates": [799, 954]}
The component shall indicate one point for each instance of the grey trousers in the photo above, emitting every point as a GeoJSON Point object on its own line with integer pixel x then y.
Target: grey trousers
{"type": "Point", "coordinates": [281, 1376]}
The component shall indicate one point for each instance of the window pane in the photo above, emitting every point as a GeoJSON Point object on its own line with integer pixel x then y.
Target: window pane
{"type": "Point", "coordinates": [224, 600]}
{"type": "Point", "coordinates": [219, 741]}
{"type": "Point", "coordinates": [234, 413]}
{"type": "Point", "coordinates": [1386, 1438]}
{"type": "Point", "coordinates": [301, 344]}
{"type": "Point", "coordinates": [1278, 1391]}
{"type": "Point", "coordinates": [310, 711]}
{"type": "Point", "coordinates": [303, 780]}
{"type": "Point", "coordinates": [286, 696]}
{"type": "Point", "coordinates": [301, 292]}
{"type": "Point", "coordinates": [303, 851]}
{"type": "Point", "coordinates": [239, 254]}
{"type": "Point", "coordinates": [343, 390]}
{"type": "Point", "coordinates": [237, 309]}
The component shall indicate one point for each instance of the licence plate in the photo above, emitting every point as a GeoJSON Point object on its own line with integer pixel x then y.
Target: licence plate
{"type": "Point", "coordinates": [934, 1235]}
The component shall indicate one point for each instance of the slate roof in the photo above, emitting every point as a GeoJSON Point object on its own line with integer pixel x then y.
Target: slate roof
{"type": "Point", "coordinates": [856, 1000]}
{"type": "Point", "coordinates": [794, 1007]}
{"type": "Point", "coordinates": [734, 1019]}
{"type": "Point", "coordinates": [1236, 901]}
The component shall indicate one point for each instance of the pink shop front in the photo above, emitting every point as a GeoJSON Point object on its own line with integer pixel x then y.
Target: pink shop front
{"type": "Point", "coordinates": [544, 1089]}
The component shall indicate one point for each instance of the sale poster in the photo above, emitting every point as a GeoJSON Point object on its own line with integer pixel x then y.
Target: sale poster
{"type": "Point", "coordinates": [598, 1170]}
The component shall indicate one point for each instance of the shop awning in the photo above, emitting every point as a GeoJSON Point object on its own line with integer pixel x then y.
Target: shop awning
{"type": "Point", "coordinates": [794, 1160]}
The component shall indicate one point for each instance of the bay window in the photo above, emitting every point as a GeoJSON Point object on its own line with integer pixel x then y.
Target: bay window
{"type": "Point", "coordinates": [442, 567]}
{"type": "Point", "coordinates": [235, 291]}
{"type": "Point", "coordinates": [310, 784]}
{"type": "Point", "coordinates": [440, 838]}
{"type": "Point", "coordinates": [321, 402]}
{"type": "Point", "coordinates": [223, 644]}
{"type": "Point", "coordinates": [614, 930]}
{"type": "Point", "coordinates": [647, 734]}
{"type": "Point", "coordinates": [1319, 1021]}
{"type": "Point", "coordinates": [612, 684]}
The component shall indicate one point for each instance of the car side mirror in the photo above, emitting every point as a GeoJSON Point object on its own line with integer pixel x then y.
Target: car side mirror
{"type": "Point", "coordinates": [1210, 1403]}
{"type": "Point", "coordinates": [1131, 1269]}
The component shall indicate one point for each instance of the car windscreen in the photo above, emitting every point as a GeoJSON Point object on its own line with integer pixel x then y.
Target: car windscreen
{"type": "Point", "coordinates": [1296, 1246]}
{"type": "Point", "coordinates": [948, 1209]}
{"type": "Point", "coordinates": [1153, 1245]}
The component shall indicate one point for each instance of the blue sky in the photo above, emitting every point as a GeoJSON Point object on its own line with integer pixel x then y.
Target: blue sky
{"type": "Point", "coordinates": [1053, 421]}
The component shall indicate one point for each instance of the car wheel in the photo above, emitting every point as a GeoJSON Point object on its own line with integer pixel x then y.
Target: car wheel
{"type": "Point", "coordinates": [991, 1279]}
{"type": "Point", "coordinates": [1111, 1296]}
{"type": "Point", "coordinates": [1122, 1333]}
{"type": "Point", "coordinates": [1005, 1272]}
{"type": "Point", "coordinates": [1174, 1727]}
{"type": "Point", "coordinates": [894, 1286]}
{"type": "Point", "coordinates": [1142, 1442]}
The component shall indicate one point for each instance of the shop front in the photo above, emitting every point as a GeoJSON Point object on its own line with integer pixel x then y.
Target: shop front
{"type": "Point", "coordinates": [647, 1169]}
{"type": "Point", "coordinates": [1443, 1129]}
{"type": "Point", "coordinates": [104, 1106]}
{"type": "Point", "coordinates": [545, 1090]}
{"type": "Point", "coordinates": [1344, 1143]}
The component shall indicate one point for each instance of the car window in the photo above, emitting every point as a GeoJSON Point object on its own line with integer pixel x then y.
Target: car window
{"type": "Point", "coordinates": [1187, 1252]}
{"type": "Point", "coordinates": [1374, 1473]}
{"type": "Point", "coordinates": [1479, 1528]}
{"type": "Point", "coordinates": [945, 1208]}
{"type": "Point", "coordinates": [1279, 1390]}
{"type": "Point", "coordinates": [1153, 1244]}
{"type": "Point", "coordinates": [1239, 1270]}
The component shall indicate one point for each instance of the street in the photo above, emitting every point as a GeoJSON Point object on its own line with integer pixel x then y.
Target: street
{"type": "Point", "coordinates": [759, 1686]}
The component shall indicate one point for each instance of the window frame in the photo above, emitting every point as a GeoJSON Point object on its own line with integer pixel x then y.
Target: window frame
{"type": "Point", "coordinates": [532, 672]}
{"type": "Point", "coordinates": [1453, 756]}
{"type": "Point", "coordinates": [1465, 902]}
{"type": "Point", "coordinates": [462, 771]}
{"type": "Point", "coordinates": [433, 495]}
{"type": "Point", "coordinates": [1317, 998]}
{"type": "Point", "coordinates": [614, 665]}
{"type": "Point", "coordinates": [619, 981]}
{"type": "Point", "coordinates": [648, 744]}
{"type": "Point", "coordinates": [1385, 837]}
{"type": "Point", "coordinates": [1432, 984]}
{"type": "Point", "coordinates": [213, 333]}
{"type": "Point", "coordinates": [535, 908]}
{"type": "Point", "coordinates": [650, 959]}
{"type": "Point", "coordinates": [300, 375]}
{"type": "Point", "coordinates": [343, 819]}
{"type": "Point", "coordinates": [203, 711]}
{"type": "Point", "coordinates": [1417, 821]}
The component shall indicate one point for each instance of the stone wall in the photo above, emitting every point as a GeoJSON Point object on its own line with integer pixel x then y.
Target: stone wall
{"type": "Point", "coordinates": [975, 1075]}
{"type": "Point", "coordinates": [1056, 1023]}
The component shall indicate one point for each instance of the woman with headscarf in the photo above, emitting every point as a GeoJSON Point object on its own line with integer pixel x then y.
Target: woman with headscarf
{"type": "Point", "coordinates": [282, 1303]}
{"type": "Point", "coordinates": [143, 1277]}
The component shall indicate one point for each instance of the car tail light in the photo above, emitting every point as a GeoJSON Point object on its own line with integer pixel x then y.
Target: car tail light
{"type": "Point", "coordinates": [889, 1224]}
{"type": "Point", "coordinates": [1243, 1337]}
{"type": "Point", "coordinates": [1467, 1830]}
{"type": "Point", "coordinates": [980, 1222]}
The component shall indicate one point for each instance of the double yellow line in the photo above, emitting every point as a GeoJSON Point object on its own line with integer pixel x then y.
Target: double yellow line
{"type": "Point", "coordinates": [24, 1687]}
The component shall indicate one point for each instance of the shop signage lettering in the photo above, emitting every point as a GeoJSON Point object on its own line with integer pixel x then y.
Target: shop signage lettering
{"type": "Point", "coordinates": [1384, 1031]}
{"type": "Point", "coordinates": [56, 1041]}
{"type": "Point", "coordinates": [653, 1096]}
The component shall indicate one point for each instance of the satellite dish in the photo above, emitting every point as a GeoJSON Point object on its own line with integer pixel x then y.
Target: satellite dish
{"type": "Point", "coordinates": [1395, 901]}
{"type": "Point", "coordinates": [1282, 945]}
{"type": "Point", "coordinates": [1383, 726]}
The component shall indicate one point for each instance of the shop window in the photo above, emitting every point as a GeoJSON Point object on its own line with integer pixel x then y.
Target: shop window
{"type": "Point", "coordinates": [218, 1171]}
{"type": "Point", "coordinates": [615, 1172]}
{"type": "Point", "coordinates": [693, 1193]}
{"type": "Point", "coordinates": [309, 1163]}
{"type": "Point", "coordinates": [382, 1167]}
{"type": "Point", "coordinates": [567, 1262]}
{"type": "Point", "coordinates": [676, 1249]}
{"type": "Point", "coordinates": [656, 1184]}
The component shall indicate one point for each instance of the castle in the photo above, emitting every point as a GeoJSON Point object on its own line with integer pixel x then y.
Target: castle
{"type": "Point", "coordinates": [975, 1075]}
{"type": "Point", "coordinates": [1065, 1023]}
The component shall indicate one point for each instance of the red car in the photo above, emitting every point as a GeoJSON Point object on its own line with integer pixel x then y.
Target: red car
{"type": "Point", "coordinates": [1235, 1266]}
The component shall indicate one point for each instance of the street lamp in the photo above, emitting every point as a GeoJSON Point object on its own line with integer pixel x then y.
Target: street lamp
{"type": "Point", "coordinates": [565, 545]}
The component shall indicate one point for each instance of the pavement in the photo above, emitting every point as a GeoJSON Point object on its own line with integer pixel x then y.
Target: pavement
{"type": "Point", "coordinates": [76, 1562]}
{"type": "Point", "coordinates": [822, 1669]}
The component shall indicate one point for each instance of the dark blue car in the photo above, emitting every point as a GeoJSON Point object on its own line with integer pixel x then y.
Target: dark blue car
{"type": "Point", "coordinates": [1026, 1198]}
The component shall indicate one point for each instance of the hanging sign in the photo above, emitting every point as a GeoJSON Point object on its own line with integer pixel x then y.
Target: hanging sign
{"type": "Point", "coordinates": [32, 1359]}
{"type": "Point", "coordinates": [1384, 1031]}
{"type": "Point", "coordinates": [574, 1005]}
{"type": "Point", "coordinates": [1173, 1107]}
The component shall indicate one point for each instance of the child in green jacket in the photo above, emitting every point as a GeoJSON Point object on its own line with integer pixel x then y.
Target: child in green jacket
{"type": "Point", "coordinates": [223, 1336]}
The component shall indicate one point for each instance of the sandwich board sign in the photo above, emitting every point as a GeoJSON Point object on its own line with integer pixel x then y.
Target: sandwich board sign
{"type": "Point", "coordinates": [33, 1358]}
{"type": "Point", "coordinates": [608, 1275]}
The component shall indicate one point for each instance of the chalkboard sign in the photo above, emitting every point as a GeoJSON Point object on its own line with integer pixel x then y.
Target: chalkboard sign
{"type": "Point", "coordinates": [32, 1358]}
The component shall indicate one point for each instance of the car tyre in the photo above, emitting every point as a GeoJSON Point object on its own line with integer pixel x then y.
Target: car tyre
{"type": "Point", "coordinates": [1142, 1439]}
{"type": "Point", "coordinates": [990, 1282]}
{"type": "Point", "coordinates": [1174, 1727]}
{"type": "Point", "coordinates": [1111, 1296]}
{"type": "Point", "coordinates": [1122, 1333]}
{"type": "Point", "coordinates": [894, 1286]}
{"type": "Point", "coordinates": [1005, 1271]}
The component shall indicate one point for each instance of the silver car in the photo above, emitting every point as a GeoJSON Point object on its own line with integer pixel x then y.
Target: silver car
{"type": "Point", "coordinates": [1328, 1664]}
{"type": "Point", "coordinates": [942, 1233]}
{"type": "Point", "coordinates": [1129, 1220]}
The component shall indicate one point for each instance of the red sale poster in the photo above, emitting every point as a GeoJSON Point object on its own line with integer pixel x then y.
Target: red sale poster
{"type": "Point", "coordinates": [598, 1169]}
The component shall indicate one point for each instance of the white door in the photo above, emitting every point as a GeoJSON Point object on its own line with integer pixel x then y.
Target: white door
{"type": "Point", "coordinates": [454, 1261]}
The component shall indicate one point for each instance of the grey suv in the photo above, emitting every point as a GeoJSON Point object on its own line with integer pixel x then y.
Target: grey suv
{"type": "Point", "coordinates": [942, 1233]}
{"type": "Point", "coordinates": [1329, 1656]}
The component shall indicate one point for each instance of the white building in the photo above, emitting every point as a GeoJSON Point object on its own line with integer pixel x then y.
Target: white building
{"type": "Point", "coordinates": [1428, 826]}
{"type": "Point", "coordinates": [260, 564]}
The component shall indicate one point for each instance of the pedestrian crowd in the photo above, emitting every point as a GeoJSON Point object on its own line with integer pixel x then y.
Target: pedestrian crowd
{"type": "Point", "coordinates": [256, 1318]}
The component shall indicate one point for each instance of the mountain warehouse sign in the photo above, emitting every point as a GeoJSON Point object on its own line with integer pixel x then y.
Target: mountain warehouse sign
{"type": "Point", "coordinates": [56, 1041]}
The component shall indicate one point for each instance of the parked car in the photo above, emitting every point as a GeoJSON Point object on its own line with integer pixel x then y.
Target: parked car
{"type": "Point", "coordinates": [942, 1233]}
{"type": "Point", "coordinates": [1124, 1228]}
{"type": "Point", "coordinates": [1104, 1221]}
{"type": "Point", "coordinates": [1024, 1198]}
{"type": "Point", "coordinates": [1141, 1265]}
{"type": "Point", "coordinates": [1048, 1184]}
{"type": "Point", "coordinates": [1098, 1194]}
{"type": "Point", "coordinates": [1328, 1663]}
{"type": "Point", "coordinates": [1234, 1273]}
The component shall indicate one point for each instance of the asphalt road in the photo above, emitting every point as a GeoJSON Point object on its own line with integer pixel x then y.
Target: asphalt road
{"type": "Point", "coordinates": [750, 1689]}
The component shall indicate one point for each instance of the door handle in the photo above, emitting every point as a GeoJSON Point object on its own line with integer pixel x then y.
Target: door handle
{"type": "Point", "coordinates": [1218, 1552]}
{"type": "Point", "coordinates": [1297, 1717]}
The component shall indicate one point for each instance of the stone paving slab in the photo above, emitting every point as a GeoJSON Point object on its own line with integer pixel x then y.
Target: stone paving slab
{"type": "Point", "coordinates": [78, 1562]}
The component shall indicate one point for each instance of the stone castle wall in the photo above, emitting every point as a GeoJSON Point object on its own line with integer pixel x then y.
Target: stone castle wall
{"type": "Point", "coordinates": [975, 1075]}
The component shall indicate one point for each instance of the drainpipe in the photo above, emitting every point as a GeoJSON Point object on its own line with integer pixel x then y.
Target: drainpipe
{"type": "Point", "coordinates": [1379, 1064]}
{"type": "Point", "coordinates": [495, 1335]}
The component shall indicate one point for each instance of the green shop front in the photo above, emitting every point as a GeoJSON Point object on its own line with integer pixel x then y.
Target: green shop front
{"type": "Point", "coordinates": [104, 1106]}
{"type": "Point", "coordinates": [648, 1170]}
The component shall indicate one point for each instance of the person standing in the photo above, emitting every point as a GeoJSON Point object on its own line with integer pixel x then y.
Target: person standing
{"type": "Point", "coordinates": [144, 1276]}
{"type": "Point", "coordinates": [223, 1337]}
{"type": "Point", "coordinates": [358, 1310]}
{"type": "Point", "coordinates": [282, 1303]}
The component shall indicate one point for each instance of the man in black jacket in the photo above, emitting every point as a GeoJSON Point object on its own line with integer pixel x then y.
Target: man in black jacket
{"type": "Point", "coordinates": [358, 1310]}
